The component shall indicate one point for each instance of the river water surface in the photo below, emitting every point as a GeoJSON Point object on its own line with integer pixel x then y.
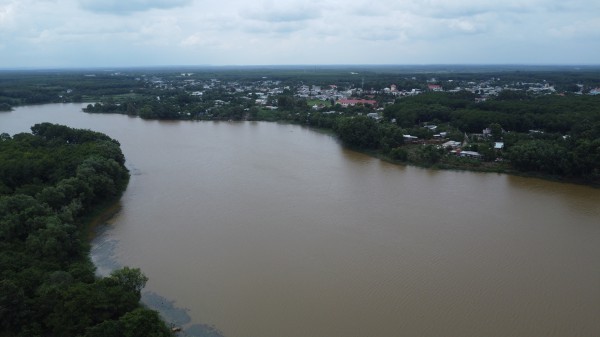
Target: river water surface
{"type": "Point", "coordinates": [275, 230]}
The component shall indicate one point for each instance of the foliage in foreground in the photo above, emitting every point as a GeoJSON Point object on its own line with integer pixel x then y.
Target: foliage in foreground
{"type": "Point", "coordinates": [51, 179]}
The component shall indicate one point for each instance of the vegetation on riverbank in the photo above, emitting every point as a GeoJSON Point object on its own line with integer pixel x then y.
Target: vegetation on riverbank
{"type": "Point", "coordinates": [52, 180]}
{"type": "Point", "coordinates": [556, 137]}
{"type": "Point", "coordinates": [537, 121]}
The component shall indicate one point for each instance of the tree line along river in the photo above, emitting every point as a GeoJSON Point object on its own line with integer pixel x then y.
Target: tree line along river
{"type": "Point", "coordinates": [264, 230]}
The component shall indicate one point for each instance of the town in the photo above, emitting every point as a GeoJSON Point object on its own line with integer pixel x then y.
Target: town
{"type": "Point", "coordinates": [264, 92]}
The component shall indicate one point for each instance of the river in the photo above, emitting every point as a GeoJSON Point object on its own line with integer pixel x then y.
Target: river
{"type": "Point", "coordinates": [274, 230]}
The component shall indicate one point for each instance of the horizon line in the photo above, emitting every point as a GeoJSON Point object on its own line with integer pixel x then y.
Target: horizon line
{"type": "Point", "coordinates": [291, 65]}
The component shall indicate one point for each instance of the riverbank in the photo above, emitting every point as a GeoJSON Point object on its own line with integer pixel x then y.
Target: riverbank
{"type": "Point", "coordinates": [100, 215]}
{"type": "Point", "coordinates": [72, 180]}
{"type": "Point", "coordinates": [474, 165]}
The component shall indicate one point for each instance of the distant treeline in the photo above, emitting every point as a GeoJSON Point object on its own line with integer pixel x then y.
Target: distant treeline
{"type": "Point", "coordinates": [52, 180]}
{"type": "Point", "coordinates": [36, 87]}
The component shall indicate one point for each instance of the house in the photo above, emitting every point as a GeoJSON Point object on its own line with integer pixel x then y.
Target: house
{"type": "Point", "coordinates": [434, 87]}
{"type": "Point", "coordinates": [409, 138]}
{"type": "Point", "coordinates": [374, 115]}
{"type": "Point", "coordinates": [451, 143]}
{"type": "Point", "coordinates": [468, 154]}
{"type": "Point", "coordinates": [498, 145]}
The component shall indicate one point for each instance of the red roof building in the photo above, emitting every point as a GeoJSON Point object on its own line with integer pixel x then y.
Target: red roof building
{"type": "Point", "coordinates": [434, 87]}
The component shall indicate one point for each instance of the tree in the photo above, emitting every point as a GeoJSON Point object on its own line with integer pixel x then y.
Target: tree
{"type": "Point", "coordinates": [359, 131]}
{"type": "Point", "coordinates": [57, 242]}
{"type": "Point", "coordinates": [390, 137]}
{"type": "Point", "coordinates": [109, 328]}
{"type": "Point", "coordinates": [399, 154]}
{"type": "Point", "coordinates": [428, 154]}
{"type": "Point", "coordinates": [131, 279]}
{"type": "Point", "coordinates": [487, 152]}
{"type": "Point", "coordinates": [21, 215]}
{"type": "Point", "coordinates": [496, 131]}
{"type": "Point", "coordinates": [12, 304]}
{"type": "Point", "coordinates": [143, 322]}
{"type": "Point", "coordinates": [540, 155]}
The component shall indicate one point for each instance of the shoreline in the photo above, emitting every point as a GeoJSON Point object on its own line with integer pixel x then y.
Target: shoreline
{"type": "Point", "coordinates": [102, 256]}
{"type": "Point", "coordinates": [482, 168]}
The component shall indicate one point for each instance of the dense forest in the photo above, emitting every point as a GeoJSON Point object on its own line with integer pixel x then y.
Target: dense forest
{"type": "Point", "coordinates": [53, 179]}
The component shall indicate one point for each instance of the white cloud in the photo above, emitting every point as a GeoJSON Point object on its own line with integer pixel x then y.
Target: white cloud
{"type": "Point", "coordinates": [6, 14]}
{"type": "Point", "coordinates": [121, 7]}
{"type": "Point", "coordinates": [278, 13]}
{"type": "Point", "coordinates": [583, 29]}
{"type": "Point", "coordinates": [146, 32]}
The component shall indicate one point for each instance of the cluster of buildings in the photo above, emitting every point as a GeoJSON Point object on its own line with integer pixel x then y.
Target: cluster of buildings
{"type": "Point", "coordinates": [265, 91]}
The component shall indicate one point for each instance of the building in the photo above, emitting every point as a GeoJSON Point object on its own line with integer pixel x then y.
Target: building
{"type": "Point", "coordinates": [434, 87]}
{"type": "Point", "coordinates": [451, 143]}
{"type": "Point", "coordinates": [374, 115]}
{"type": "Point", "coordinates": [469, 154]}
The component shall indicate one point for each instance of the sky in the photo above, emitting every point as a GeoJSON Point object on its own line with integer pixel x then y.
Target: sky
{"type": "Point", "coordinates": [124, 33]}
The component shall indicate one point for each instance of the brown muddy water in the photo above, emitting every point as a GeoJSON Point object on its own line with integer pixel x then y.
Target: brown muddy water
{"type": "Point", "coordinates": [275, 230]}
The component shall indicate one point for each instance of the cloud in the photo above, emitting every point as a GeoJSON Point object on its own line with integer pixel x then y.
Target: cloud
{"type": "Point", "coordinates": [446, 9]}
{"type": "Point", "coordinates": [146, 32]}
{"type": "Point", "coordinates": [374, 9]}
{"type": "Point", "coordinates": [274, 28]}
{"type": "Point", "coordinates": [7, 14]}
{"type": "Point", "coordinates": [474, 25]}
{"type": "Point", "coordinates": [123, 7]}
{"type": "Point", "coordinates": [284, 13]}
{"type": "Point", "coordinates": [581, 29]}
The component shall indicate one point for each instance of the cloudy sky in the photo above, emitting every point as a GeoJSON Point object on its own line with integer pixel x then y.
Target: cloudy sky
{"type": "Point", "coordinates": [111, 33]}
